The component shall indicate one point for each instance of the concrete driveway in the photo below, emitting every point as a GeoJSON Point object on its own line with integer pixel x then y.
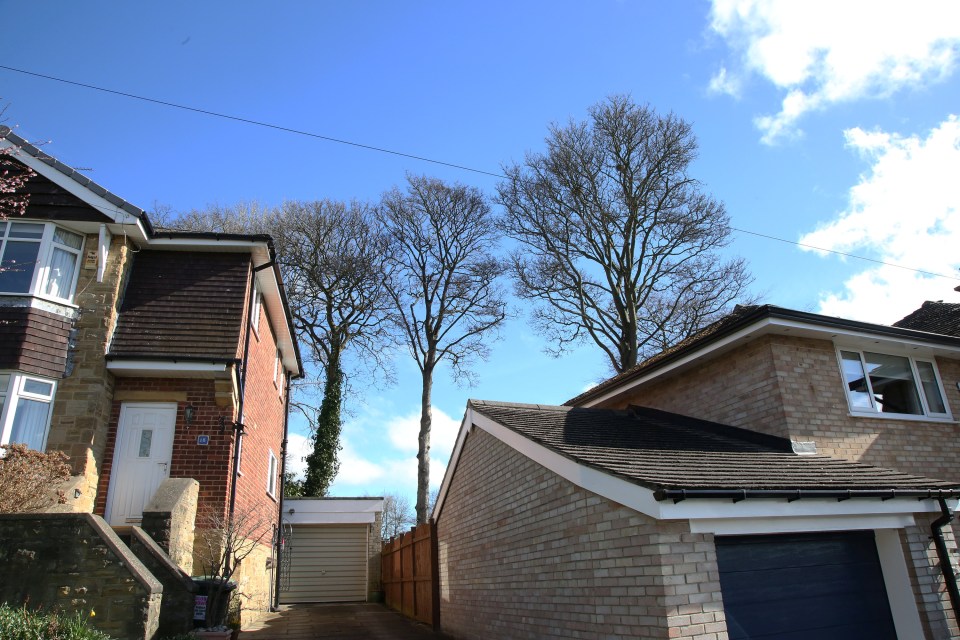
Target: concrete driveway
{"type": "Point", "coordinates": [345, 621]}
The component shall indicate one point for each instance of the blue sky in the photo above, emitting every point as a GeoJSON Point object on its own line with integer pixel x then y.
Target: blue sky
{"type": "Point", "coordinates": [831, 124]}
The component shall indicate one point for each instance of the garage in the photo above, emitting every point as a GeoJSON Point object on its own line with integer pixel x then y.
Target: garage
{"type": "Point", "coordinates": [331, 550]}
{"type": "Point", "coordinates": [787, 587]}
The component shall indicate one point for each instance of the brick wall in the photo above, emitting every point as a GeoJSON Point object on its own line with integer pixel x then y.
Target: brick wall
{"type": "Point", "coordinates": [791, 387]}
{"type": "Point", "coordinates": [209, 464]}
{"type": "Point", "coordinates": [929, 588]}
{"type": "Point", "coordinates": [526, 554]}
{"type": "Point", "coordinates": [76, 563]}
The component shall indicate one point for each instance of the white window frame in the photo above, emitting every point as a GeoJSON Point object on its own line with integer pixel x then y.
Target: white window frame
{"type": "Point", "coordinates": [10, 397]}
{"type": "Point", "coordinates": [873, 411]}
{"type": "Point", "coordinates": [272, 470]}
{"type": "Point", "coordinates": [41, 273]}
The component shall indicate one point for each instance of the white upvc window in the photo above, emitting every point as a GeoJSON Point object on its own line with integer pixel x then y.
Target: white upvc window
{"type": "Point", "coordinates": [891, 384]}
{"type": "Point", "coordinates": [272, 469]}
{"type": "Point", "coordinates": [39, 258]}
{"type": "Point", "coordinates": [25, 404]}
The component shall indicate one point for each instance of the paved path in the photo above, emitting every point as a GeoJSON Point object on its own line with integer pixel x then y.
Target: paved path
{"type": "Point", "coordinates": [345, 621]}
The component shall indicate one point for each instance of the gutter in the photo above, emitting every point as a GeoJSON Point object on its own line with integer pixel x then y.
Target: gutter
{"type": "Point", "coordinates": [736, 495]}
{"type": "Point", "coordinates": [946, 566]}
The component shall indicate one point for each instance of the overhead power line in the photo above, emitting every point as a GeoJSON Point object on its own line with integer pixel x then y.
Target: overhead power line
{"type": "Point", "coordinates": [277, 127]}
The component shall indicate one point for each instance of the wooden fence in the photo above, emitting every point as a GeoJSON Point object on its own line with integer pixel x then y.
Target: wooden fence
{"type": "Point", "coordinates": [410, 574]}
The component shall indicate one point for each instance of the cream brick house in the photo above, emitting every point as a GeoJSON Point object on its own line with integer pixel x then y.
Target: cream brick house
{"type": "Point", "coordinates": [772, 476]}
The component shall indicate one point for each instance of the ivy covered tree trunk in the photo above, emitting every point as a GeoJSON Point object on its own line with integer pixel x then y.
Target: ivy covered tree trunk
{"type": "Point", "coordinates": [322, 463]}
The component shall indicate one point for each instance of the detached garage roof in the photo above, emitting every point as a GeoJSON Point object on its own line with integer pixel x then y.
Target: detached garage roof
{"type": "Point", "coordinates": [677, 457]}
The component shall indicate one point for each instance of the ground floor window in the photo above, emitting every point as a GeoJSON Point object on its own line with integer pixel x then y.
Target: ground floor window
{"type": "Point", "coordinates": [25, 403]}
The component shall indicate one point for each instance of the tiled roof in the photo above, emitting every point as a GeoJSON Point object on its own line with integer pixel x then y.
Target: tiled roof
{"type": "Point", "coordinates": [185, 304]}
{"type": "Point", "coordinates": [673, 454]}
{"type": "Point", "coordinates": [934, 317]}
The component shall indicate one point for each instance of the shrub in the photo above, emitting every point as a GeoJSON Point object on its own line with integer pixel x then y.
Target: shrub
{"type": "Point", "coordinates": [26, 624]}
{"type": "Point", "coordinates": [29, 479]}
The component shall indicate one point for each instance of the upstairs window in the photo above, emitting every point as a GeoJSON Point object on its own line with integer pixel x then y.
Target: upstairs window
{"type": "Point", "coordinates": [892, 384]}
{"type": "Point", "coordinates": [38, 258]}
{"type": "Point", "coordinates": [272, 475]}
{"type": "Point", "coordinates": [25, 410]}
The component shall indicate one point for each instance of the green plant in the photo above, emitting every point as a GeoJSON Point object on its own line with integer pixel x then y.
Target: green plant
{"type": "Point", "coordinates": [180, 636]}
{"type": "Point", "coordinates": [22, 623]}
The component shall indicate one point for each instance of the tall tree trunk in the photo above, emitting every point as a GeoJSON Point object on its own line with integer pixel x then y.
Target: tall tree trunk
{"type": "Point", "coordinates": [322, 463]}
{"type": "Point", "coordinates": [423, 451]}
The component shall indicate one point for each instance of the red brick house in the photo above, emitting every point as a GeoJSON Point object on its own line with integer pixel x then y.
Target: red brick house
{"type": "Point", "coordinates": [780, 474]}
{"type": "Point", "coordinates": [143, 355]}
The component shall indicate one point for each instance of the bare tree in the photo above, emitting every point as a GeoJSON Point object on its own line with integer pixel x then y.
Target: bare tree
{"type": "Point", "coordinates": [618, 243]}
{"type": "Point", "coordinates": [13, 178]}
{"type": "Point", "coordinates": [398, 516]}
{"type": "Point", "coordinates": [334, 262]}
{"type": "Point", "coordinates": [30, 480]}
{"type": "Point", "coordinates": [445, 289]}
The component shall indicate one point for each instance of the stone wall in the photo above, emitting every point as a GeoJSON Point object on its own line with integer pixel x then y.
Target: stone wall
{"type": "Point", "coordinates": [170, 519]}
{"type": "Point", "coordinates": [526, 554]}
{"type": "Point", "coordinates": [81, 409]}
{"type": "Point", "coordinates": [76, 563]}
{"type": "Point", "coordinates": [176, 608]}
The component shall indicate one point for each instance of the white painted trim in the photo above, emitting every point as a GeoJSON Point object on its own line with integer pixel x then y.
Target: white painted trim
{"type": "Point", "coordinates": [67, 183]}
{"type": "Point", "coordinates": [466, 426]}
{"type": "Point", "coordinates": [798, 524]}
{"type": "Point", "coordinates": [103, 245]}
{"type": "Point", "coordinates": [331, 511]}
{"type": "Point", "coordinates": [903, 603]}
{"type": "Point", "coordinates": [164, 366]}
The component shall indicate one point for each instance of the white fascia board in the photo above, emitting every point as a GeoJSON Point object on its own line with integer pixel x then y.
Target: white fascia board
{"type": "Point", "coordinates": [167, 366]}
{"type": "Point", "coordinates": [132, 225]}
{"type": "Point", "coordinates": [270, 288]}
{"type": "Point", "coordinates": [466, 425]}
{"type": "Point", "coordinates": [332, 511]}
{"type": "Point", "coordinates": [798, 524]}
{"type": "Point", "coordinates": [641, 499]}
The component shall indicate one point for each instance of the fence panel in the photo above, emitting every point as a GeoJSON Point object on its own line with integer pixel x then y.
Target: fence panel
{"type": "Point", "coordinates": [409, 574]}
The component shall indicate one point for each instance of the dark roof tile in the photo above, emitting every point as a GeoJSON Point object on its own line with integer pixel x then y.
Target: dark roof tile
{"type": "Point", "coordinates": [934, 317]}
{"type": "Point", "coordinates": [184, 304]}
{"type": "Point", "coordinates": [666, 451]}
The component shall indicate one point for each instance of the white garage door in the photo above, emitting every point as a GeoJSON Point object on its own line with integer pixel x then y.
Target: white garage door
{"type": "Point", "coordinates": [328, 563]}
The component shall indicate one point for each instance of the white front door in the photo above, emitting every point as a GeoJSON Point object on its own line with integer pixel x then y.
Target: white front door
{"type": "Point", "coordinates": [141, 460]}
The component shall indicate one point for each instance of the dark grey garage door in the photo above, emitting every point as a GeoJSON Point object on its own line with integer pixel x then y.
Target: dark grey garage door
{"type": "Point", "coordinates": [793, 587]}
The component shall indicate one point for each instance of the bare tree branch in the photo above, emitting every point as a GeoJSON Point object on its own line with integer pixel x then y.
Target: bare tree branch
{"type": "Point", "coordinates": [619, 246]}
{"type": "Point", "coordinates": [445, 289]}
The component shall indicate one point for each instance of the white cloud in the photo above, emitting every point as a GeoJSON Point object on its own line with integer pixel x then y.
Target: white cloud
{"type": "Point", "coordinates": [821, 52]}
{"type": "Point", "coordinates": [904, 211]}
{"type": "Point", "coordinates": [298, 447]}
{"type": "Point", "coordinates": [403, 432]}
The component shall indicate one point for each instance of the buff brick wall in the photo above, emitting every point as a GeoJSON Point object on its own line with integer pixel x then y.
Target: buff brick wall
{"type": "Point", "coordinates": [791, 387]}
{"type": "Point", "coordinates": [929, 588]}
{"type": "Point", "coordinates": [526, 554]}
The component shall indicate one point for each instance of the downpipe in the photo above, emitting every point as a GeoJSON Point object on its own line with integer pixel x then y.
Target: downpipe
{"type": "Point", "coordinates": [946, 567]}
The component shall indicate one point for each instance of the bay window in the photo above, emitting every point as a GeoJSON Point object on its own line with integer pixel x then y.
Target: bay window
{"type": "Point", "coordinates": [38, 258]}
{"type": "Point", "coordinates": [25, 403]}
{"type": "Point", "coordinates": [891, 384]}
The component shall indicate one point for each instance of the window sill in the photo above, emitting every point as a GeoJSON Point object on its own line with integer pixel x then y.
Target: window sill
{"type": "Point", "coordinates": [903, 417]}
{"type": "Point", "coordinates": [272, 497]}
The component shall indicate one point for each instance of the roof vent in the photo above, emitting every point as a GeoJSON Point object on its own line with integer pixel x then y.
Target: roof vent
{"type": "Point", "coordinates": [804, 448]}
